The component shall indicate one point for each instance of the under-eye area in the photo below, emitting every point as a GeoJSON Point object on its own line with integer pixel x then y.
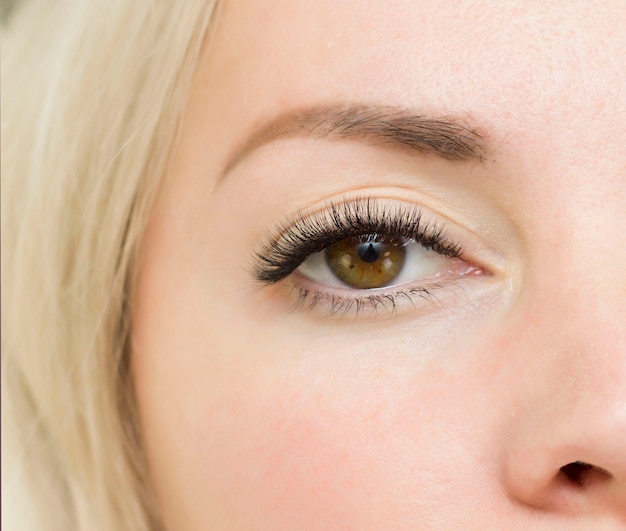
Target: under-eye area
{"type": "Point", "coordinates": [363, 253]}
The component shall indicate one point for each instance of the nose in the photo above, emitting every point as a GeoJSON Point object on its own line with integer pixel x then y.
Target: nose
{"type": "Point", "coordinates": [566, 441]}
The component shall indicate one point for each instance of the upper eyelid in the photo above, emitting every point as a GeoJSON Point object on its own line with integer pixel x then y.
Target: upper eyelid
{"type": "Point", "coordinates": [301, 234]}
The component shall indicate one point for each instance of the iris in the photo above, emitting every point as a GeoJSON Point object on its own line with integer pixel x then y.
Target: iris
{"type": "Point", "coordinates": [367, 261]}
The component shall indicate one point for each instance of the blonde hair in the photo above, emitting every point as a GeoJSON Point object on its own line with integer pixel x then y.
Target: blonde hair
{"type": "Point", "coordinates": [93, 92]}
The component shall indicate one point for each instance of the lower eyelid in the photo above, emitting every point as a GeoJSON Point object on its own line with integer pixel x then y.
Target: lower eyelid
{"type": "Point", "coordinates": [412, 300]}
{"type": "Point", "coordinates": [390, 301]}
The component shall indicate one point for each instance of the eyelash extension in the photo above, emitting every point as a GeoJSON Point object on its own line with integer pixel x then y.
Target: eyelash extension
{"type": "Point", "coordinates": [297, 239]}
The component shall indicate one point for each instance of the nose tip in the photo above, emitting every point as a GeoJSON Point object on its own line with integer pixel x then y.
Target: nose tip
{"type": "Point", "coordinates": [568, 455]}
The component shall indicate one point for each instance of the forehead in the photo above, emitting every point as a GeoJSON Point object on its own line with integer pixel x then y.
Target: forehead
{"type": "Point", "coordinates": [549, 75]}
{"type": "Point", "coordinates": [503, 51]}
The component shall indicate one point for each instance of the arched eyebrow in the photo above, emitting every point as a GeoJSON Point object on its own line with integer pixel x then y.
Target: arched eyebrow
{"type": "Point", "coordinates": [449, 138]}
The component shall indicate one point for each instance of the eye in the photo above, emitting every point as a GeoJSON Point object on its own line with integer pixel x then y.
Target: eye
{"type": "Point", "coordinates": [361, 253]}
{"type": "Point", "coordinates": [371, 261]}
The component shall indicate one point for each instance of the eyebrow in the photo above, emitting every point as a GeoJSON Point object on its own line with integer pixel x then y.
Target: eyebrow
{"type": "Point", "coordinates": [449, 138]}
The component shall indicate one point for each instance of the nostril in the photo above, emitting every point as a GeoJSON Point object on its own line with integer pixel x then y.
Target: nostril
{"type": "Point", "coordinates": [576, 472]}
{"type": "Point", "coordinates": [582, 474]}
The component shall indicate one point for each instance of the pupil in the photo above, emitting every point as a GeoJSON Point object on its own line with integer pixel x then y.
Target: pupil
{"type": "Point", "coordinates": [368, 252]}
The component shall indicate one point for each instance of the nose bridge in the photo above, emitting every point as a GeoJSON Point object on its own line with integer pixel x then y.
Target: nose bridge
{"type": "Point", "coordinates": [574, 345]}
{"type": "Point", "coordinates": [587, 311]}
{"type": "Point", "coordinates": [576, 324]}
{"type": "Point", "coordinates": [577, 277]}
{"type": "Point", "coordinates": [583, 346]}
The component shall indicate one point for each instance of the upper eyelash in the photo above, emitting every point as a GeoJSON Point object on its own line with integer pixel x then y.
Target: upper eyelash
{"type": "Point", "coordinates": [297, 239]}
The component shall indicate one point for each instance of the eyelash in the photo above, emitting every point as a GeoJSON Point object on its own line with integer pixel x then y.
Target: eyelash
{"type": "Point", "coordinates": [297, 238]}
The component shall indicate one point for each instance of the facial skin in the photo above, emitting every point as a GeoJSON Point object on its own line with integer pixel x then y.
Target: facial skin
{"type": "Point", "coordinates": [454, 412]}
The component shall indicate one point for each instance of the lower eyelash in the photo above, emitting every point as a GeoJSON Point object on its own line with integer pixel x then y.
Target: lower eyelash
{"type": "Point", "coordinates": [339, 306]}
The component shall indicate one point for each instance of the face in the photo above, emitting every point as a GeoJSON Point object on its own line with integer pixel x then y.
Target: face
{"type": "Point", "coordinates": [383, 284]}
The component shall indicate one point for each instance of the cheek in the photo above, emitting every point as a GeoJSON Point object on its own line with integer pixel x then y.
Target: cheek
{"type": "Point", "coordinates": [288, 446]}
{"type": "Point", "coordinates": [292, 457]}
{"type": "Point", "coordinates": [298, 454]}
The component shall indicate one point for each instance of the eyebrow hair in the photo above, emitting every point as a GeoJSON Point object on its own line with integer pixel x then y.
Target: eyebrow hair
{"type": "Point", "coordinates": [449, 138]}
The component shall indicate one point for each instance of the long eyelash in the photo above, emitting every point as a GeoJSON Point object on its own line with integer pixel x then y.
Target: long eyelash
{"type": "Point", "coordinates": [297, 239]}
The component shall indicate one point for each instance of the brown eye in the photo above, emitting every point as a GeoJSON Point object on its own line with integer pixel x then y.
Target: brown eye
{"type": "Point", "coordinates": [367, 261]}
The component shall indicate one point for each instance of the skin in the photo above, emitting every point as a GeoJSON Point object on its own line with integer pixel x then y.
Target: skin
{"type": "Point", "coordinates": [456, 412]}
